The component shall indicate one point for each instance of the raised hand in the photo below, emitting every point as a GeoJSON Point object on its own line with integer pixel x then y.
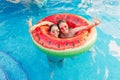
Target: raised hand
{"type": "Point", "coordinates": [29, 22]}
{"type": "Point", "coordinates": [96, 21]}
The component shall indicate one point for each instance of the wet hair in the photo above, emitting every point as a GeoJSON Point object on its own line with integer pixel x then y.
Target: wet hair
{"type": "Point", "coordinates": [51, 26]}
{"type": "Point", "coordinates": [60, 21]}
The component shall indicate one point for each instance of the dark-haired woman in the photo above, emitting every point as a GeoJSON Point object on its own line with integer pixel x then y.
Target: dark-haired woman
{"type": "Point", "coordinates": [54, 31]}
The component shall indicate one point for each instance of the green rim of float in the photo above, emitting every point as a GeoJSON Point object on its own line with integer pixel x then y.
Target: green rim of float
{"type": "Point", "coordinates": [75, 45]}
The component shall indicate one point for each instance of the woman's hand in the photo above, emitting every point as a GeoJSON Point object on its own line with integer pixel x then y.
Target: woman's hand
{"type": "Point", "coordinates": [96, 21]}
{"type": "Point", "coordinates": [29, 22]}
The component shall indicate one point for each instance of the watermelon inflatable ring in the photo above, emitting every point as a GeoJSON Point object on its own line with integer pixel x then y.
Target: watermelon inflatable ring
{"type": "Point", "coordinates": [64, 47]}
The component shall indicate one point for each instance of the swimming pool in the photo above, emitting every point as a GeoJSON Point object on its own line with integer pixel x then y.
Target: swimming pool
{"type": "Point", "coordinates": [21, 60]}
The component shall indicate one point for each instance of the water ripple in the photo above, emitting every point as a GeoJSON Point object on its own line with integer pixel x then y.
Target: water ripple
{"type": "Point", "coordinates": [98, 71]}
{"type": "Point", "coordinates": [114, 49]}
{"type": "Point", "coordinates": [106, 73]}
{"type": "Point", "coordinates": [93, 54]}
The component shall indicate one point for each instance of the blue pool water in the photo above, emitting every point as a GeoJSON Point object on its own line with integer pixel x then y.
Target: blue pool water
{"type": "Point", "coordinates": [21, 60]}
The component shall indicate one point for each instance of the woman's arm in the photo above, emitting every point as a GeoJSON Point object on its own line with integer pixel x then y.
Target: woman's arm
{"type": "Point", "coordinates": [39, 24]}
{"type": "Point", "coordinates": [43, 23]}
{"type": "Point", "coordinates": [96, 22]}
{"type": "Point", "coordinates": [74, 30]}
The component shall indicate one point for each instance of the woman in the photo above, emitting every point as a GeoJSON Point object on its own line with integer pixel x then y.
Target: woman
{"type": "Point", "coordinates": [70, 32]}
{"type": "Point", "coordinates": [54, 31]}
